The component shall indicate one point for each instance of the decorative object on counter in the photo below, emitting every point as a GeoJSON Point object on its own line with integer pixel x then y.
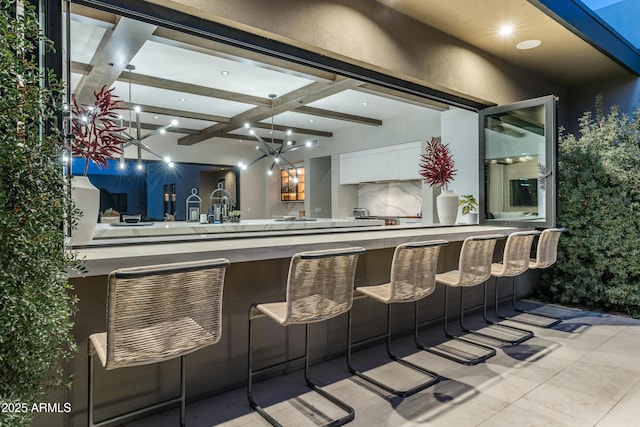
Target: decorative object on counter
{"type": "Point", "coordinates": [234, 216]}
{"type": "Point", "coordinates": [96, 129]}
{"type": "Point", "coordinates": [193, 206]}
{"type": "Point", "coordinates": [270, 150]}
{"type": "Point", "coordinates": [137, 140]}
{"type": "Point", "coordinates": [131, 219]}
{"type": "Point", "coordinates": [95, 134]}
{"type": "Point", "coordinates": [109, 216]}
{"type": "Point", "coordinates": [220, 204]}
{"type": "Point", "coordinates": [169, 199]}
{"type": "Point", "coordinates": [437, 169]}
{"type": "Point", "coordinates": [86, 198]}
{"type": "Point", "coordinates": [469, 206]}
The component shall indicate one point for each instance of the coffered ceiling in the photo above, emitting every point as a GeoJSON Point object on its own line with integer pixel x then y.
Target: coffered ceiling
{"type": "Point", "coordinates": [214, 90]}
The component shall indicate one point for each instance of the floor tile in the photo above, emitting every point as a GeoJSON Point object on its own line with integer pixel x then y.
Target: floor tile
{"type": "Point", "coordinates": [582, 372]}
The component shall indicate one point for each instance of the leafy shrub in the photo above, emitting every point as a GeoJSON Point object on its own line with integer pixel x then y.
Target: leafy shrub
{"type": "Point", "coordinates": [35, 301]}
{"type": "Point", "coordinates": [599, 201]}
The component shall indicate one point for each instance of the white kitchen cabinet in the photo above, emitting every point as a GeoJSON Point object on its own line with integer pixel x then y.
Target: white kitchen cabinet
{"type": "Point", "coordinates": [391, 163]}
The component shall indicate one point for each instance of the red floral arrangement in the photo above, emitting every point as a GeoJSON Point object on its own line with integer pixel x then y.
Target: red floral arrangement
{"type": "Point", "coordinates": [437, 164]}
{"type": "Point", "coordinates": [96, 129]}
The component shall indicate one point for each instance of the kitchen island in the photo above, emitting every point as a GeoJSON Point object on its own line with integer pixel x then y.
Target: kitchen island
{"type": "Point", "coordinates": [258, 271]}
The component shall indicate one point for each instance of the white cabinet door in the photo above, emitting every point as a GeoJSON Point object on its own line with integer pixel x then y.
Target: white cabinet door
{"type": "Point", "coordinates": [392, 163]}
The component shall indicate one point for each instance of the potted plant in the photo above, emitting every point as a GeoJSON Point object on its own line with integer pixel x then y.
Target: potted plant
{"type": "Point", "coordinates": [109, 216]}
{"type": "Point", "coordinates": [469, 206]}
{"type": "Point", "coordinates": [37, 300]}
{"type": "Point", "coordinates": [437, 169]}
{"type": "Point", "coordinates": [97, 138]}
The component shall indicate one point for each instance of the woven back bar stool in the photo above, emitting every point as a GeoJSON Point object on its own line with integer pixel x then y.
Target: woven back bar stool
{"type": "Point", "coordinates": [319, 287]}
{"type": "Point", "coordinates": [154, 314]}
{"type": "Point", "coordinates": [546, 256]}
{"type": "Point", "coordinates": [413, 274]}
{"type": "Point", "coordinates": [474, 268]}
{"type": "Point", "coordinates": [515, 261]}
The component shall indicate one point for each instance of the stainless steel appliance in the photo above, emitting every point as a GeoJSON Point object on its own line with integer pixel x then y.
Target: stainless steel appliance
{"type": "Point", "coordinates": [360, 212]}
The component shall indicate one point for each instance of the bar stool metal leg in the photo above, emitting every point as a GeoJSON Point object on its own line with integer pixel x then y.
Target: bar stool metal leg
{"type": "Point", "coordinates": [251, 374]}
{"type": "Point", "coordinates": [524, 333]}
{"type": "Point", "coordinates": [552, 320]}
{"type": "Point", "coordinates": [350, 412]}
{"type": "Point", "coordinates": [140, 412]}
{"type": "Point", "coordinates": [433, 377]}
{"type": "Point", "coordinates": [489, 351]}
{"type": "Point", "coordinates": [341, 404]}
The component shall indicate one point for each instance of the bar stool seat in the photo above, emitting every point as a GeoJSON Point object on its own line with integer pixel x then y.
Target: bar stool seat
{"type": "Point", "coordinates": [413, 271]}
{"type": "Point", "coordinates": [319, 287]}
{"type": "Point", "coordinates": [474, 268]}
{"type": "Point", "coordinates": [154, 314]}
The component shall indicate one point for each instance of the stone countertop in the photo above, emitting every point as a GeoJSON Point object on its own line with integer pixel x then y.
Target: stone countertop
{"type": "Point", "coordinates": [255, 246]}
{"type": "Point", "coordinates": [177, 228]}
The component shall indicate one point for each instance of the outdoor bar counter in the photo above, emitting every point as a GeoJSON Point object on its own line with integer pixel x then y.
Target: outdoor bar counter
{"type": "Point", "coordinates": [258, 271]}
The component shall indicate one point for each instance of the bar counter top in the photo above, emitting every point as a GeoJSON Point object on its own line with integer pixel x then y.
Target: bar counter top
{"type": "Point", "coordinates": [104, 256]}
{"type": "Point", "coordinates": [178, 228]}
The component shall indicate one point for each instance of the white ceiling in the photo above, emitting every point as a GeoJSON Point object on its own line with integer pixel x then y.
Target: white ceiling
{"type": "Point", "coordinates": [196, 71]}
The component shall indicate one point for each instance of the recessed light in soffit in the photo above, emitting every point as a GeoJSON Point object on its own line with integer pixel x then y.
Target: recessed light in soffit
{"type": "Point", "coordinates": [528, 44]}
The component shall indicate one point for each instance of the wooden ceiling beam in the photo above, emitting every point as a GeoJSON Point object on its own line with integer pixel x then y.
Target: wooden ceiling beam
{"type": "Point", "coordinates": [192, 89]}
{"type": "Point", "coordinates": [178, 113]}
{"type": "Point", "coordinates": [307, 94]}
{"type": "Point", "coordinates": [117, 48]}
{"type": "Point", "coordinates": [172, 129]}
{"type": "Point", "coordinates": [293, 129]}
{"type": "Point", "coordinates": [338, 116]}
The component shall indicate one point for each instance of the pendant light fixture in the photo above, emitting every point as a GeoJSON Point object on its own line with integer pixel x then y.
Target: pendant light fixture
{"type": "Point", "coordinates": [139, 138]}
{"type": "Point", "coordinates": [270, 150]}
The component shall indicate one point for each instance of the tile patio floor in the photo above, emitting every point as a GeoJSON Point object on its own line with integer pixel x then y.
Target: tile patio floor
{"type": "Point", "coordinates": [582, 372]}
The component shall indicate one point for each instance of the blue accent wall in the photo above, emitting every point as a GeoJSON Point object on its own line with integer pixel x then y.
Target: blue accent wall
{"type": "Point", "coordinates": [144, 188]}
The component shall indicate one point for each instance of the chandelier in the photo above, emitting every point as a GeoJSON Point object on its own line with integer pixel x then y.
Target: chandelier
{"type": "Point", "coordinates": [139, 138]}
{"type": "Point", "coordinates": [271, 151]}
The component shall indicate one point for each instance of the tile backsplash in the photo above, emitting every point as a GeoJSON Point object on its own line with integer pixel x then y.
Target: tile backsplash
{"type": "Point", "coordinates": [393, 198]}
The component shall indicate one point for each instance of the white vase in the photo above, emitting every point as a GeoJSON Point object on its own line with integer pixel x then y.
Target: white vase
{"type": "Point", "coordinates": [472, 218]}
{"type": "Point", "coordinates": [447, 204]}
{"type": "Point", "coordinates": [87, 199]}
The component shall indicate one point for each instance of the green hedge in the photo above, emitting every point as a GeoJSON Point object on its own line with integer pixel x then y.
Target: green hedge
{"type": "Point", "coordinates": [35, 300]}
{"type": "Point", "coordinates": [599, 202]}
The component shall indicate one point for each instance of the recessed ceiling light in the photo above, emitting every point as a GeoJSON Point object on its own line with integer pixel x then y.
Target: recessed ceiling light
{"type": "Point", "coordinates": [528, 44]}
{"type": "Point", "coordinates": [311, 120]}
{"type": "Point", "coordinates": [155, 117]}
{"type": "Point", "coordinates": [365, 104]}
{"type": "Point", "coordinates": [224, 73]}
{"type": "Point", "coordinates": [506, 30]}
{"type": "Point", "coordinates": [183, 99]}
